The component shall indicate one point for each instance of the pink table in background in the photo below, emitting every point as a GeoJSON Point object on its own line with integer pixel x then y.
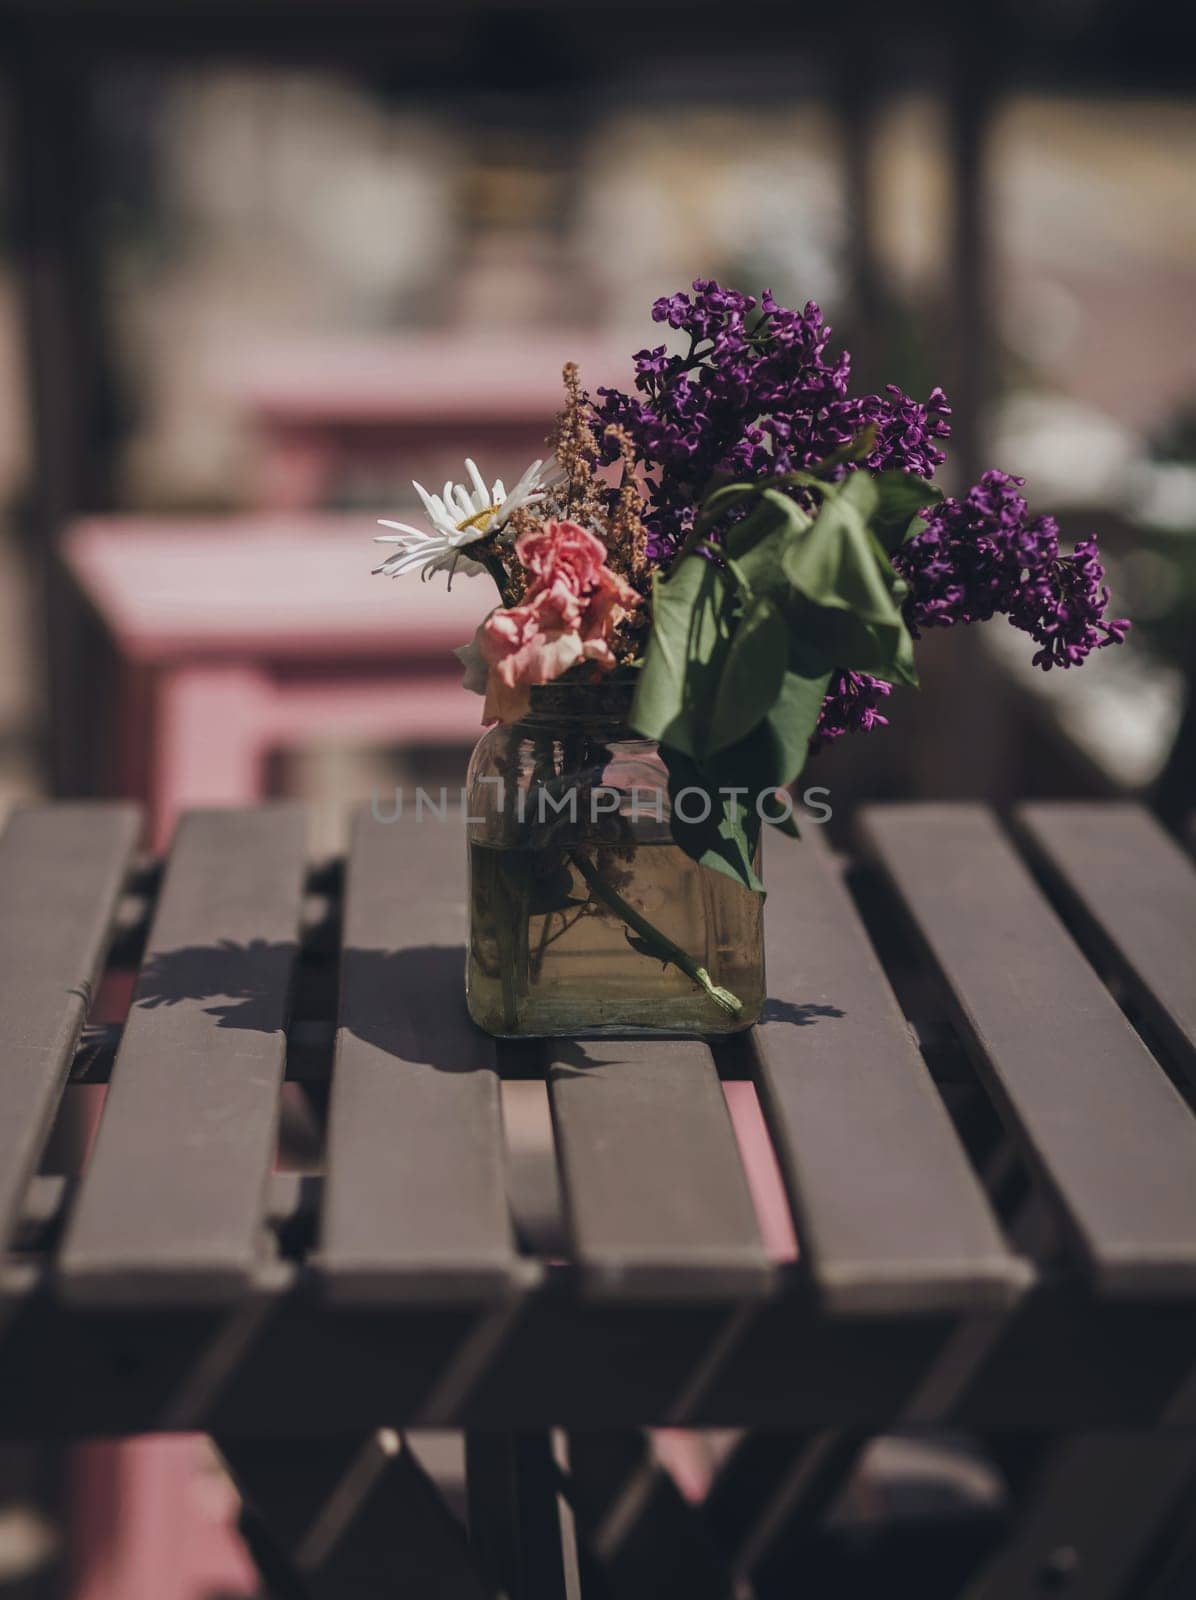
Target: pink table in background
{"type": "Point", "coordinates": [404, 408]}
{"type": "Point", "coordinates": [229, 638]}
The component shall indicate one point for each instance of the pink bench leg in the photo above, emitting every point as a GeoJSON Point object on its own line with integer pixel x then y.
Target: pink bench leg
{"type": "Point", "coordinates": [207, 744]}
{"type": "Point", "coordinates": [149, 1524]}
{"type": "Point", "coordinates": [760, 1167]}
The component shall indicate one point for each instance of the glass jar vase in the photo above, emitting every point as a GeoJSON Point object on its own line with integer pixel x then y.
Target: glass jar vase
{"type": "Point", "coordinates": [585, 917]}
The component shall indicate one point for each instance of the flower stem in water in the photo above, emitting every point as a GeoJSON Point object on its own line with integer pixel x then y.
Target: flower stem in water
{"type": "Point", "coordinates": [652, 936]}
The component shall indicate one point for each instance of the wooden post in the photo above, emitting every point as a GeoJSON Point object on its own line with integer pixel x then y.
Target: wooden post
{"type": "Point", "coordinates": [857, 104]}
{"type": "Point", "coordinates": [970, 99]}
{"type": "Point", "coordinates": [967, 745]}
{"type": "Point", "coordinates": [57, 257]}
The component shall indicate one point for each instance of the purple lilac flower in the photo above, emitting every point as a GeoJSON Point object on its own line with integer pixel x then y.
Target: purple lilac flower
{"type": "Point", "coordinates": [751, 398]}
{"type": "Point", "coordinates": [985, 555]}
{"type": "Point", "coordinates": [852, 705]}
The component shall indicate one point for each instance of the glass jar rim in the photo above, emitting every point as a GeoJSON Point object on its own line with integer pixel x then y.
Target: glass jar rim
{"type": "Point", "coordinates": [605, 700]}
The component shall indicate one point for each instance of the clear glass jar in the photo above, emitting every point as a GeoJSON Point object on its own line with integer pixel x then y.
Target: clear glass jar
{"type": "Point", "coordinates": [585, 917]}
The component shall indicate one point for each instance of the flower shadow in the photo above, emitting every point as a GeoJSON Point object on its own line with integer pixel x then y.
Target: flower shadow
{"type": "Point", "coordinates": [409, 1003]}
{"type": "Point", "coordinates": [803, 1015]}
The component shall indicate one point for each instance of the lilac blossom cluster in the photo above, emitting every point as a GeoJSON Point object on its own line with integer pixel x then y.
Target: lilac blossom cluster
{"type": "Point", "coordinates": [753, 395]}
{"type": "Point", "coordinates": [852, 705]}
{"type": "Point", "coordinates": [985, 555]}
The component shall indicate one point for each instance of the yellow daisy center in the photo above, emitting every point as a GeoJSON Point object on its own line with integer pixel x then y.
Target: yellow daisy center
{"type": "Point", "coordinates": [478, 520]}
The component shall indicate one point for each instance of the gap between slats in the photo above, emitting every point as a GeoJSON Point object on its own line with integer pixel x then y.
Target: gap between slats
{"type": "Point", "coordinates": [534, 1182]}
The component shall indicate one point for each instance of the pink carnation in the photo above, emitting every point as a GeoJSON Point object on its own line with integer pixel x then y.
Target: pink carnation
{"type": "Point", "coordinates": [566, 617]}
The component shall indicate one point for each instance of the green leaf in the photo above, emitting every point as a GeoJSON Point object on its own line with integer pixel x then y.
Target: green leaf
{"type": "Point", "coordinates": [729, 495]}
{"type": "Point", "coordinates": [770, 757]}
{"type": "Point", "coordinates": [902, 668]}
{"type": "Point", "coordinates": [751, 677]}
{"type": "Point", "coordinates": [792, 719]}
{"type": "Point", "coordinates": [900, 496]}
{"type": "Point", "coordinates": [758, 543]}
{"type": "Point", "coordinates": [834, 564]}
{"type": "Point", "coordinates": [842, 637]}
{"type": "Point", "coordinates": [764, 519]}
{"type": "Point", "coordinates": [806, 478]}
{"type": "Point", "coordinates": [687, 647]}
{"type": "Point", "coordinates": [774, 753]}
{"type": "Point", "coordinates": [725, 840]}
{"type": "Point", "coordinates": [723, 499]}
{"type": "Point", "coordinates": [847, 601]}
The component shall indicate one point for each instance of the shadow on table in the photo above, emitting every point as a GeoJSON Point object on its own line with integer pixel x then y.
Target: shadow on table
{"type": "Point", "coordinates": [410, 1002]}
{"type": "Point", "coordinates": [800, 1016]}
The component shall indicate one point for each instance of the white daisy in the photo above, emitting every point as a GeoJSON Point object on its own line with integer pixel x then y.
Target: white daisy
{"type": "Point", "coordinates": [458, 517]}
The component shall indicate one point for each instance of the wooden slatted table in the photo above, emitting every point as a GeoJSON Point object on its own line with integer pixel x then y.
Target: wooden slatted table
{"type": "Point", "coordinates": [976, 1074]}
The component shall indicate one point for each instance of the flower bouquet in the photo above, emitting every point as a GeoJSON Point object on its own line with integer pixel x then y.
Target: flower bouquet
{"type": "Point", "coordinates": [718, 575]}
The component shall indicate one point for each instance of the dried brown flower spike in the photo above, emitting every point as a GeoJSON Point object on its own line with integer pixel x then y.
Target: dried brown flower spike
{"type": "Point", "coordinates": [626, 536]}
{"type": "Point", "coordinates": [581, 494]}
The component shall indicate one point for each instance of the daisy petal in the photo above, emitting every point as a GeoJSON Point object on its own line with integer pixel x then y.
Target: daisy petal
{"type": "Point", "coordinates": [479, 484]}
{"type": "Point", "coordinates": [458, 517]}
{"type": "Point", "coordinates": [429, 500]}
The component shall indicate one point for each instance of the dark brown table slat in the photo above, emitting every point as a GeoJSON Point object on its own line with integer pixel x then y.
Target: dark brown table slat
{"type": "Point", "coordinates": [61, 870]}
{"type": "Point", "coordinates": [1129, 890]}
{"type": "Point", "coordinates": [890, 1214]}
{"type": "Point", "coordinates": [171, 1205]}
{"type": "Point", "coordinates": [657, 1202]}
{"type": "Point", "coordinates": [1100, 1121]}
{"type": "Point", "coordinates": [415, 1200]}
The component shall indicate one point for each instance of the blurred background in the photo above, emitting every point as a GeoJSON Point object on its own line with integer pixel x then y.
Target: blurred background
{"type": "Point", "coordinates": [262, 264]}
